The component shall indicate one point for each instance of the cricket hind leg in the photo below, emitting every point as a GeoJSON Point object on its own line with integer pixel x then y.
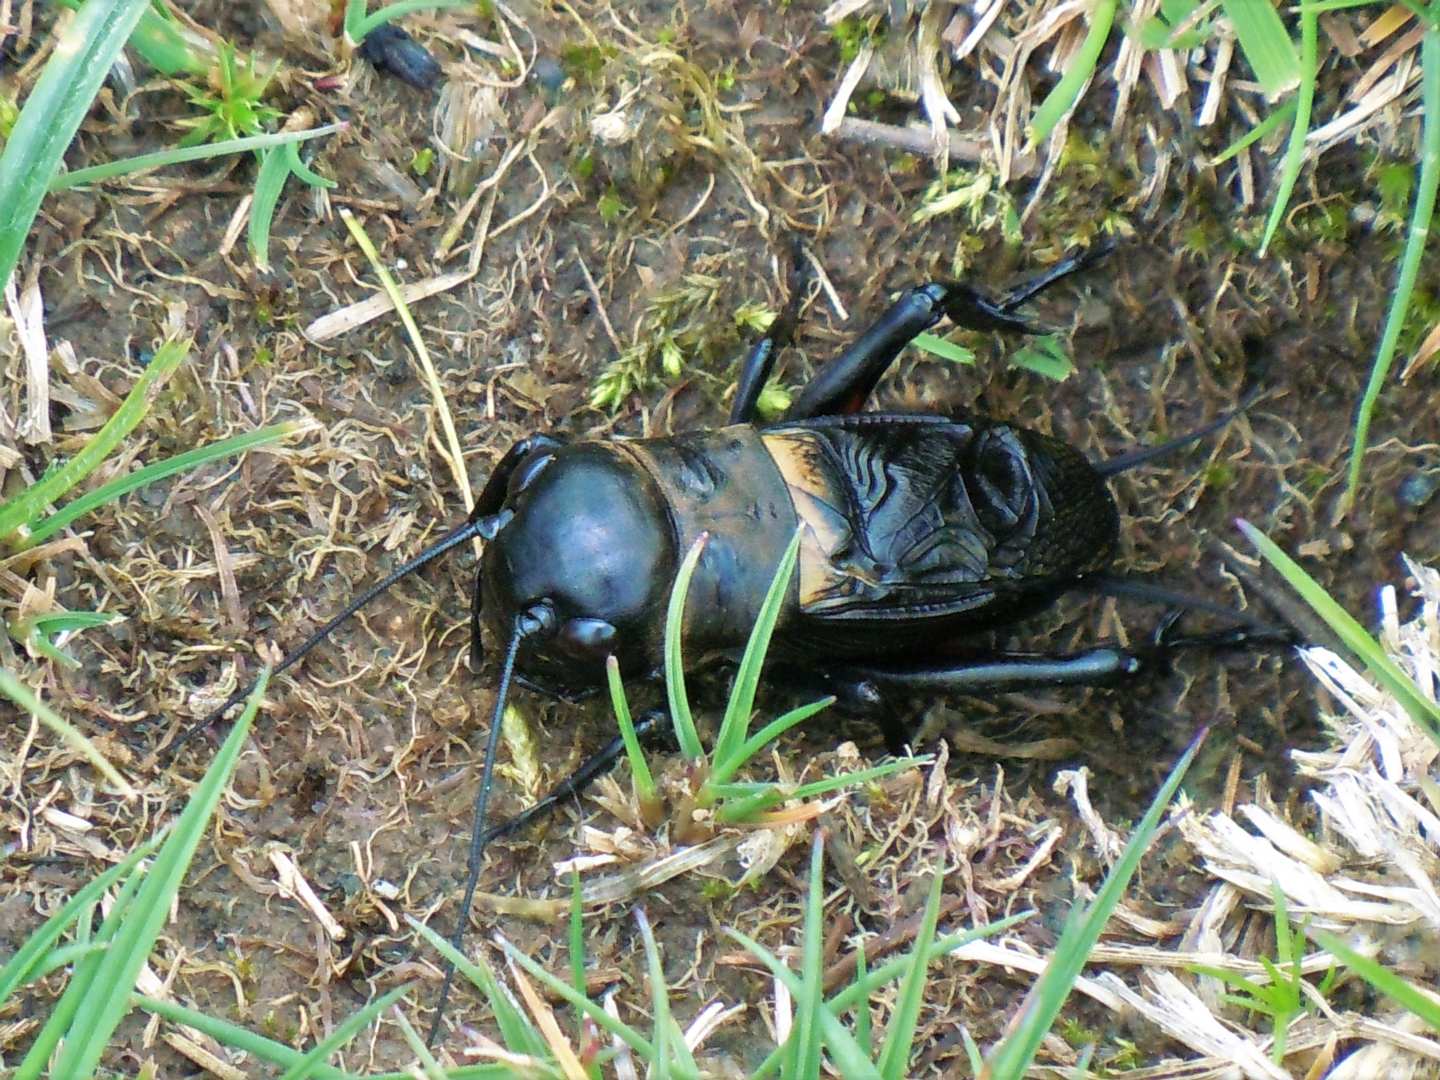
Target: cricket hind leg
{"type": "Point", "coordinates": [881, 688]}
{"type": "Point", "coordinates": [845, 384]}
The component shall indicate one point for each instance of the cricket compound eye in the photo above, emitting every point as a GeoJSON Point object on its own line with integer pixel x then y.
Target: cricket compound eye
{"type": "Point", "coordinates": [587, 639]}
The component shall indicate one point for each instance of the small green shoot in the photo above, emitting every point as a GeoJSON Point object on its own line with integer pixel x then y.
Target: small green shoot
{"type": "Point", "coordinates": [900, 1035]}
{"type": "Point", "coordinates": [12, 688]}
{"type": "Point", "coordinates": [1281, 997]}
{"type": "Point", "coordinates": [1277, 117]}
{"type": "Point", "coordinates": [1046, 355]}
{"type": "Point", "coordinates": [936, 345]}
{"type": "Point", "coordinates": [1423, 711]}
{"type": "Point", "coordinates": [280, 1056]}
{"type": "Point", "coordinates": [803, 1046]}
{"type": "Point", "coordinates": [1082, 930]}
{"type": "Point", "coordinates": [230, 103]}
{"type": "Point", "coordinates": [679, 700]}
{"type": "Point", "coordinates": [664, 1050]}
{"type": "Point", "coordinates": [818, 1019]}
{"type": "Point", "coordinates": [27, 507]}
{"type": "Point", "coordinates": [9, 113]}
{"type": "Point", "coordinates": [1174, 27]}
{"type": "Point", "coordinates": [26, 964]}
{"type": "Point", "coordinates": [734, 744]}
{"type": "Point", "coordinates": [38, 633]}
{"type": "Point", "coordinates": [165, 43]}
{"type": "Point", "coordinates": [343, 1032]}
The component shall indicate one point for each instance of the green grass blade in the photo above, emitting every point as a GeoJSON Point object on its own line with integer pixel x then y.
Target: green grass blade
{"type": "Point", "coordinates": [680, 715]}
{"type": "Point", "coordinates": [428, 1064]}
{"type": "Point", "coordinates": [1043, 1004]}
{"type": "Point", "coordinates": [233, 1035]}
{"type": "Point", "coordinates": [143, 163]}
{"type": "Point", "coordinates": [344, 1031]}
{"type": "Point", "coordinates": [1046, 356]}
{"type": "Point", "coordinates": [659, 999]}
{"type": "Point", "coordinates": [52, 113]}
{"type": "Point", "coordinates": [639, 768]}
{"type": "Point", "coordinates": [577, 940]}
{"type": "Point", "coordinates": [66, 956]}
{"type": "Point", "coordinates": [857, 995]}
{"type": "Point", "coordinates": [165, 44]}
{"type": "Point", "coordinates": [1383, 979]}
{"type": "Point", "coordinates": [946, 350]}
{"type": "Point", "coordinates": [161, 470]}
{"type": "Point", "coordinates": [1265, 43]}
{"type": "Point", "coordinates": [753, 799]}
{"type": "Point", "coordinates": [39, 944]}
{"type": "Point", "coordinates": [768, 734]}
{"type": "Point", "coordinates": [863, 1034]}
{"type": "Point", "coordinates": [23, 696]}
{"type": "Point", "coordinates": [1425, 191]}
{"type": "Point", "coordinates": [269, 186]}
{"type": "Point", "coordinates": [60, 1023]}
{"type": "Point", "coordinates": [303, 172]}
{"type": "Point", "coordinates": [618, 1028]}
{"type": "Point", "coordinates": [27, 506]}
{"type": "Point", "coordinates": [747, 678]}
{"type": "Point", "coordinates": [36, 632]}
{"type": "Point", "coordinates": [517, 1033]}
{"type": "Point", "coordinates": [380, 16]}
{"type": "Point", "coordinates": [1424, 712]}
{"type": "Point", "coordinates": [1279, 115]}
{"type": "Point", "coordinates": [900, 1033]}
{"type": "Point", "coordinates": [847, 1055]}
{"type": "Point", "coordinates": [810, 1002]}
{"type": "Point", "coordinates": [1304, 100]}
{"type": "Point", "coordinates": [102, 1009]}
{"type": "Point", "coordinates": [1066, 93]}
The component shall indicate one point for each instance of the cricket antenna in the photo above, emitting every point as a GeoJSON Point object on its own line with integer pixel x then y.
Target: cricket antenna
{"type": "Point", "coordinates": [1149, 453]}
{"type": "Point", "coordinates": [536, 621]}
{"type": "Point", "coordinates": [481, 527]}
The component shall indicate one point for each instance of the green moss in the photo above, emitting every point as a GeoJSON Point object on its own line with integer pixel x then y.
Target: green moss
{"type": "Point", "coordinates": [1394, 182]}
{"type": "Point", "coordinates": [611, 206]}
{"type": "Point", "coordinates": [852, 34]}
{"type": "Point", "coordinates": [582, 167]}
{"type": "Point", "coordinates": [1220, 476]}
{"type": "Point", "coordinates": [583, 63]}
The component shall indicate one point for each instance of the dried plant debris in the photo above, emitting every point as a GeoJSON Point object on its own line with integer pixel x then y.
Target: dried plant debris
{"type": "Point", "coordinates": [1363, 863]}
{"type": "Point", "coordinates": [1189, 57]}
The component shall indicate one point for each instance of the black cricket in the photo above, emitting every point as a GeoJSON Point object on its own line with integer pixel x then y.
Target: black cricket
{"type": "Point", "coordinates": [920, 532]}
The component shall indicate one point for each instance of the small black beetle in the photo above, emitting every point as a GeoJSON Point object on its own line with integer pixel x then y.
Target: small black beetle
{"type": "Point", "coordinates": [920, 531]}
